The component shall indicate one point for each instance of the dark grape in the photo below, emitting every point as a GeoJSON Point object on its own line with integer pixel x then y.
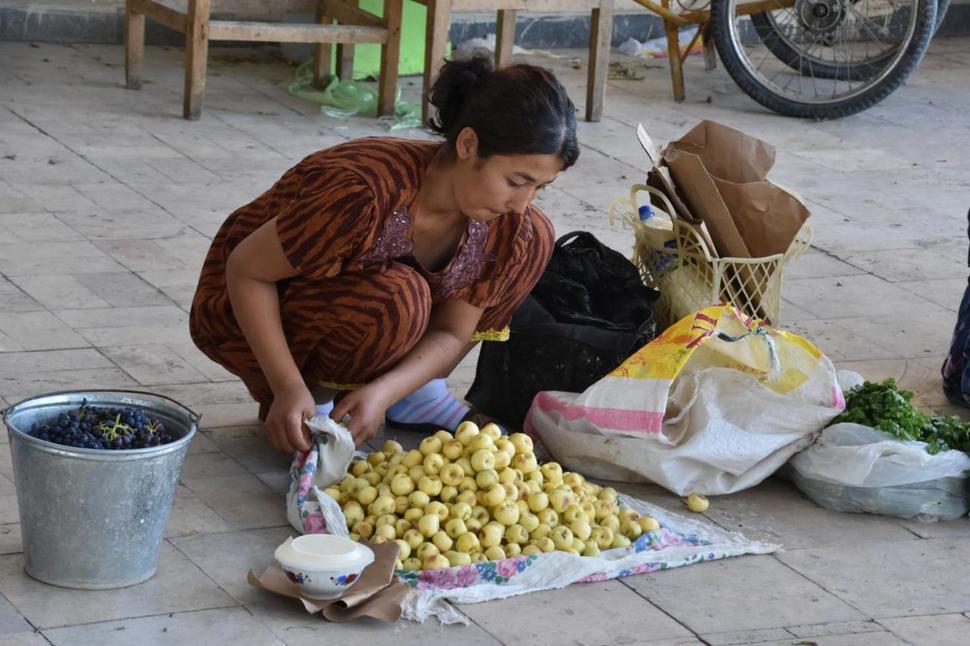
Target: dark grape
{"type": "Point", "coordinates": [103, 428]}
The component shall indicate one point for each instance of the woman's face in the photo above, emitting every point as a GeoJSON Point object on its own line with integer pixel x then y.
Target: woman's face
{"type": "Point", "coordinates": [488, 188]}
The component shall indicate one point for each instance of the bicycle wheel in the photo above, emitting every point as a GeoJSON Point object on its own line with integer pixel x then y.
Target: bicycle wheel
{"type": "Point", "coordinates": [842, 33]}
{"type": "Point", "coordinates": [775, 30]}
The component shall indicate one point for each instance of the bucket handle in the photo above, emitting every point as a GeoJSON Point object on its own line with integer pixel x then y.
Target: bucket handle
{"type": "Point", "coordinates": [193, 416]}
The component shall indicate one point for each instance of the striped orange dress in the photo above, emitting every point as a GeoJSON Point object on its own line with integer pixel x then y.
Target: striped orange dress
{"type": "Point", "coordinates": [360, 300]}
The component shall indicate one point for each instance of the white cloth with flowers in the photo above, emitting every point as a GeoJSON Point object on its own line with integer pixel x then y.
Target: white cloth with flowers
{"type": "Point", "coordinates": [679, 541]}
{"type": "Point", "coordinates": [308, 509]}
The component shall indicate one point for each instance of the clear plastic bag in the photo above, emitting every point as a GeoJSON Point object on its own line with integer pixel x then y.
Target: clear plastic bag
{"type": "Point", "coordinates": [856, 468]}
{"type": "Point", "coordinates": [344, 99]}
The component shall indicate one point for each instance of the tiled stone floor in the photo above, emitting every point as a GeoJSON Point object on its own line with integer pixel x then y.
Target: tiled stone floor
{"type": "Point", "coordinates": [107, 202]}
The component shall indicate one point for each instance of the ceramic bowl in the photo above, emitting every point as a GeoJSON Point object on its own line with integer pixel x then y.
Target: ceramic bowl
{"type": "Point", "coordinates": [323, 565]}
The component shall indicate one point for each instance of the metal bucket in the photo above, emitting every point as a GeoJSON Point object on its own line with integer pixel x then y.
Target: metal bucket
{"type": "Point", "coordinates": [94, 519]}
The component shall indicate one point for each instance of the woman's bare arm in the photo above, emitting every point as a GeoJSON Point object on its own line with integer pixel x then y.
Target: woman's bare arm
{"type": "Point", "coordinates": [252, 271]}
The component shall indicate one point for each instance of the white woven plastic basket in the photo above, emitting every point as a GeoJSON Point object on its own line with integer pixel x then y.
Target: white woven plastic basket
{"type": "Point", "coordinates": [679, 264]}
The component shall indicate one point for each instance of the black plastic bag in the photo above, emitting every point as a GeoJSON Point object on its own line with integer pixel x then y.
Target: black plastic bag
{"type": "Point", "coordinates": [585, 316]}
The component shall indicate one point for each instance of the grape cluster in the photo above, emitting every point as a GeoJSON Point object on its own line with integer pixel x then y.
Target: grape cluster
{"type": "Point", "coordinates": [88, 427]}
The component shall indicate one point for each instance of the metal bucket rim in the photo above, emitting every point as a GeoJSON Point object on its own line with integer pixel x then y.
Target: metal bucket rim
{"type": "Point", "coordinates": [114, 455]}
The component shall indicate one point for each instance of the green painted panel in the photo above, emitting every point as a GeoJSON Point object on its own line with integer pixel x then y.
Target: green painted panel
{"type": "Point", "coordinates": [367, 58]}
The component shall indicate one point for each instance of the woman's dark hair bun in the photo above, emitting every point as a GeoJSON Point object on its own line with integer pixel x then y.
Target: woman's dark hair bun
{"type": "Point", "coordinates": [456, 84]}
{"type": "Point", "coordinates": [515, 110]}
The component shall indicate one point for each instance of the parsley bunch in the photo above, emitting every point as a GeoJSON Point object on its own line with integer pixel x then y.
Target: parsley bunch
{"type": "Point", "coordinates": [884, 406]}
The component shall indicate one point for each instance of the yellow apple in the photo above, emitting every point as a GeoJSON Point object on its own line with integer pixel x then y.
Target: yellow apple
{"type": "Point", "coordinates": [697, 503]}
{"type": "Point", "coordinates": [455, 527]}
{"type": "Point", "coordinates": [451, 474]}
{"type": "Point", "coordinates": [364, 529]}
{"type": "Point", "coordinates": [390, 448]}
{"type": "Point", "coordinates": [494, 496]}
{"type": "Point", "coordinates": [367, 495]}
{"type": "Point", "coordinates": [529, 520]}
{"type": "Point", "coordinates": [485, 479]}
{"type": "Point", "coordinates": [430, 445]}
{"type": "Point", "coordinates": [419, 499]}
{"type": "Point", "coordinates": [630, 528]}
{"type": "Point", "coordinates": [452, 449]}
{"type": "Point", "coordinates": [433, 462]}
{"type": "Point", "coordinates": [414, 538]}
{"type": "Point", "coordinates": [404, 549]}
{"type": "Point", "coordinates": [468, 543]}
{"type": "Point", "coordinates": [648, 523]}
{"type": "Point", "coordinates": [458, 558]}
{"type": "Point", "coordinates": [387, 532]}
{"type": "Point", "coordinates": [516, 534]}
{"type": "Point", "coordinates": [430, 485]}
{"type": "Point", "coordinates": [522, 442]}
{"type": "Point", "coordinates": [491, 534]}
{"type": "Point", "coordinates": [466, 432]}
{"type": "Point", "coordinates": [429, 525]}
{"type": "Point", "coordinates": [448, 494]}
{"type": "Point", "coordinates": [440, 509]}
{"type": "Point", "coordinates": [444, 436]}
{"type": "Point", "coordinates": [442, 541]}
{"type": "Point", "coordinates": [482, 459]}
{"type": "Point", "coordinates": [602, 536]}
{"type": "Point", "coordinates": [414, 514]}
{"type": "Point", "coordinates": [581, 528]}
{"type": "Point", "coordinates": [507, 513]}
{"type": "Point", "coordinates": [562, 536]}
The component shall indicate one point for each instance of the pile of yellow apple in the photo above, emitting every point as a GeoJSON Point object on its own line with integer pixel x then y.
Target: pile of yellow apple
{"type": "Point", "coordinates": [478, 496]}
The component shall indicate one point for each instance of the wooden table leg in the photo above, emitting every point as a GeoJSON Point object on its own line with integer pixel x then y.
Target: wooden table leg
{"type": "Point", "coordinates": [436, 44]}
{"type": "Point", "coordinates": [390, 59]}
{"type": "Point", "coordinates": [196, 57]}
{"type": "Point", "coordinates": [134, 46]}
{"type": "Point", "coordinates": [673, 55]}
{"type": "Point", "coordinates": [601, 31]}
{"type": "Point", "coordinates": [505, 37]}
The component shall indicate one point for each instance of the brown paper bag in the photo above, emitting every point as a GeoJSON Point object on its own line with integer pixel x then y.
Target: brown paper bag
{"type": "Point", "coordinates": [755, 209]}
{"type": "Point", "coordinates": [705, 201]}
{"type": "Point", "coordinates": [713, 158]}
{"type": "Point", "coordinates": [375, 594]}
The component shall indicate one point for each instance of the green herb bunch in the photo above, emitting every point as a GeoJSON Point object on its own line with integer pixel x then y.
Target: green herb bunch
{"type": "Point", "coordinates": [884, 406]}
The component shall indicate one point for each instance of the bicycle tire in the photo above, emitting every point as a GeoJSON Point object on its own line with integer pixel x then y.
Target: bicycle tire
{"type": "Point", "coordinates": [768, 33]}
{"type": "Point", "coordinates": [722, 17]}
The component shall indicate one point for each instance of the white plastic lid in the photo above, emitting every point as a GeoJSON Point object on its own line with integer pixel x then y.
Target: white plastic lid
{"type": "Point", "coordinates": [317, 551]}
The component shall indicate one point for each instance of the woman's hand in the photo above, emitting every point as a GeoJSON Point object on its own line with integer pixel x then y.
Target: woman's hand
{"type": "Point", "coordinates": [366, 407]}
{"type": "Point", "coordinates": [284, 423]}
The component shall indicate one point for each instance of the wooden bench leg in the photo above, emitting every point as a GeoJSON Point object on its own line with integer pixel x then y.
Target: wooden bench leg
{"type": "Point", "coordinates": [390, 59]}
{"type": "Point", "coordinates": [601, 31]}
{"type": "Point", "coordinates": [505, 37]}
{"type": "Point", "coordinates": [134, 46]}
{"type": "Point", "coordinates": [436, 43]}
{"type": "Point", "coordinates": [196, 57]}
{"type": "Point", "coordinates": [710, 53]}
{"type": "Point", "coordinates": [322, 52]}
{"type": "Point", "coordinates": [673, 55]}
{"type": "Point", "coordinates": [345, 60]}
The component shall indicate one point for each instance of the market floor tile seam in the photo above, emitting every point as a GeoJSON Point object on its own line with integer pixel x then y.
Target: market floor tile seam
{"type": "Point", "coordinates": [676, 619]}
{"type": "Point", "coordinates": [41, 631]}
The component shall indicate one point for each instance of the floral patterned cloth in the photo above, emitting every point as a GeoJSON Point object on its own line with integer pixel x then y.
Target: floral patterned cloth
{"type": "Point", "coordinates": [308, 508]}
{"type": "Point", "coordinates": [680, 541]}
